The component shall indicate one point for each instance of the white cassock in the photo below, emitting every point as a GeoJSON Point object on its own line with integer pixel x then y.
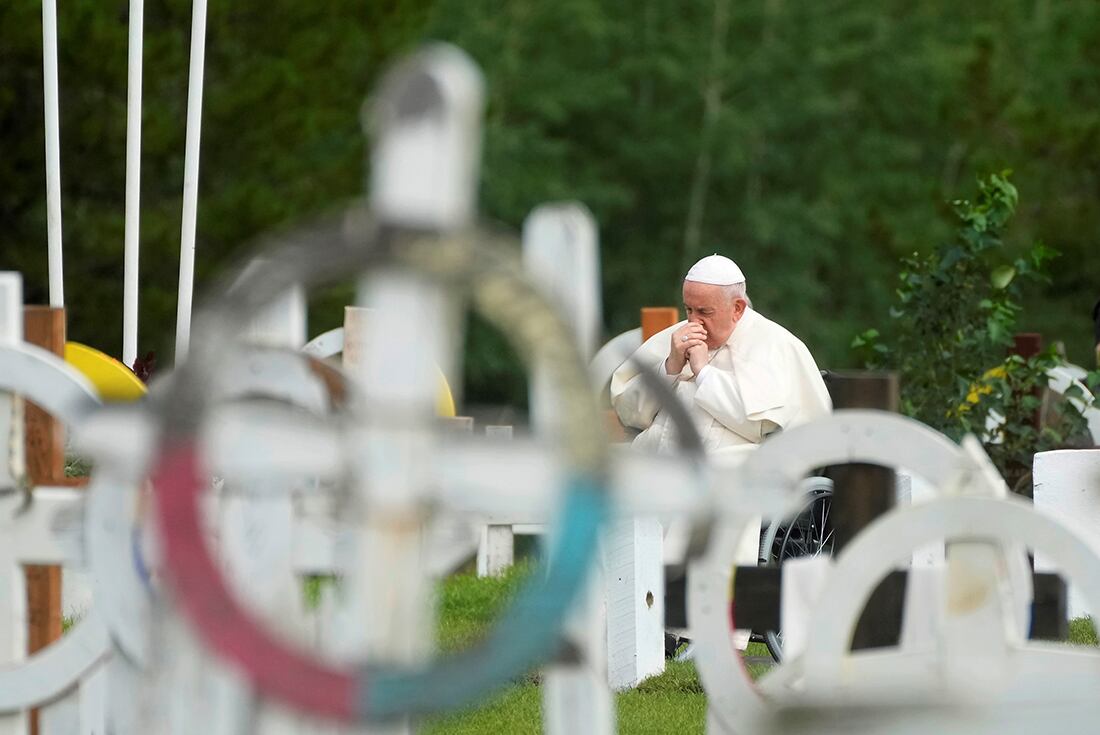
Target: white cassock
{"type": "Point", "coordinates": [762, 380]}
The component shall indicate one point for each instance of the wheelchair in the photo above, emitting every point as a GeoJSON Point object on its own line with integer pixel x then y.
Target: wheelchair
{"type": "Point", "coordinates": [807, 534]}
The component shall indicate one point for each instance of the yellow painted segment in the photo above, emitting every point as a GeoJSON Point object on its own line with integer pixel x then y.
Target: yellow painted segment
{"type": "Point", "coordinates": [113, 380]}
{"type": "Point", "coordinates": [444, 401]}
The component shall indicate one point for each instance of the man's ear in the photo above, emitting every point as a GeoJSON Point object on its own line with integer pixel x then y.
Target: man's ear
{"type": "Point", "coordinates": [739, 307]}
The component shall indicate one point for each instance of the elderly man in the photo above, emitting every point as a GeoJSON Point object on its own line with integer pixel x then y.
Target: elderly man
{"type": "Point", "coordinates": [741, 375]}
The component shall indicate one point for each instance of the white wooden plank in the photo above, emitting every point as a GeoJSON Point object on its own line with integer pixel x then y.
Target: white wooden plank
{"type": "Point", "coordinates": [635, 601]}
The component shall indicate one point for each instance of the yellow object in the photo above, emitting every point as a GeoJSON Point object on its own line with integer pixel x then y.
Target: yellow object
{"type": "Point", "coordinates": [113, 380]}
{"type": "Point", "coordinates": [444, 401]}
{"type": "Point", "coordinates": [984, 388]}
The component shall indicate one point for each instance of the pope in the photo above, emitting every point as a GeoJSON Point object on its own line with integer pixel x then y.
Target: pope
{"type": "Point", "coordinates": [741, 375]}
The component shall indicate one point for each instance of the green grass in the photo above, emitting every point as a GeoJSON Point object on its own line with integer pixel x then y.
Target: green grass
{"type": "Point", "coordinates": [672, 702]}
{"type": "Point", "coordinates": [467, 605]}
{"type": "Point", "coordinates": [1081, 632]}
{"type": "Point", "coordinates": [77, 466]}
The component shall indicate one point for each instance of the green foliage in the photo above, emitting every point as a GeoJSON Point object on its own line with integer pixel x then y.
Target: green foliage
{"type": "Point", "coordinates": [839, 127]}
{"type": "Point", "coordinates": [313, 587]}
{"type": "Point", "coordinates": [955, 316]}
{"type": "Point", "coordinates": [1082, 632]}
{"type": "Point", "coordinates": [77, 466]}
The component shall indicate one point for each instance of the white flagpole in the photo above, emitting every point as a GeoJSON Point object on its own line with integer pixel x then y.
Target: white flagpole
{"type": "Point", "coordinates": [53, 151]}
{"type": "Point", "coordinates": [191, 179]}
{"type": "Point", "coordinates": [133, 185]}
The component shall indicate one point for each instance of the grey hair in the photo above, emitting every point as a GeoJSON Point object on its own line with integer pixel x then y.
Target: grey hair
{"type": "Point", "coordinates": [737, 291]}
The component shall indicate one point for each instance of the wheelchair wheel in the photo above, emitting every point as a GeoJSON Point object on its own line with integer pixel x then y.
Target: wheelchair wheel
{"type": "Point", "coordinates": [809, 533]}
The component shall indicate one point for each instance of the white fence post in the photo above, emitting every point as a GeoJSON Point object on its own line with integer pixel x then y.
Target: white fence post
{"type": "Point", "coordinates": [497, 550]}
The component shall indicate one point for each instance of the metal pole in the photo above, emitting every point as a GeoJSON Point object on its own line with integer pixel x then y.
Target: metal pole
{"type": "Point", "coordinates": [53, 151]}
{"type": "Point", "coordinates": [133, 186]}
{"type": "Point", "coordinates": [191, 179]}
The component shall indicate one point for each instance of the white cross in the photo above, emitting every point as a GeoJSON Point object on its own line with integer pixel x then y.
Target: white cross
{"type": "Point", "coordinates": [31, 532]}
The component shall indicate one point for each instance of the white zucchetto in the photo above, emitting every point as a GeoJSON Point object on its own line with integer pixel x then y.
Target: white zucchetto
{"type": "Point", "coordinates": [717, 270]}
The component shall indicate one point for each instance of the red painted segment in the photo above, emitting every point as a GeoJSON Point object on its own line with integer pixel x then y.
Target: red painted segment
{"type": "Point", "coordinates": [200, 590]}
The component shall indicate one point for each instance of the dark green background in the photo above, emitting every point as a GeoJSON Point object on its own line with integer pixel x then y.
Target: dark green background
{"type": "Point", "coordinates": [834, 134]}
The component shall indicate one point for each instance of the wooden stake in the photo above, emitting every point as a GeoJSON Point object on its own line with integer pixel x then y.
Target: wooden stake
{"type": "Point", "coordinates": [43, 326]}
{"type": "Point", "coordinates": [657, 318]}
{"type": "Point", "coordinates": [863, 493]}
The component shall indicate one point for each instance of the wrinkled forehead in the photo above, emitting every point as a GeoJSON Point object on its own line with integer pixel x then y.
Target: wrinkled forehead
{"type": "Point", "coordinates": [704, 295]}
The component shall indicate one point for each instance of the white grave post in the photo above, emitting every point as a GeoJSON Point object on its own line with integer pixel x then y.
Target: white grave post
{"type": "Point", "coordinates": [256, 522]}
{"type": "Point", "coordinates": [256, 528]}
{"type": "Point", "coordinates": [13, 598]}
{"type": "Point", "coordinates": [560, 250]}
{"type": "Point", "coordinates": [496, 552]}
{"type": "Point", "coordinates": [423, 179]}
{"type": "Point", "coordinates": [1067, 485]}
{"type": "Point", "coordinates": [29, 530]}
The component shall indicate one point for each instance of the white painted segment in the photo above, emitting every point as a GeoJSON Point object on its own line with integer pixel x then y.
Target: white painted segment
{"type": "Point", "coordinates": [614, 353]}
{"type": "Point", "coordinates": [803, 581]}
{"type": "Point", "coordinates": [282, 323]}
{"type": "Point", "coordinates": [495, 551]}
{"type": "Point", "coordinates": [257, 558]}
{"type": "Point", "coordinates": [427, 141]}
{"type": "Point", "coordinates": [30, 531]}
{"type": "Point", "coordinates": [560, 250]}
{"type": "Point", "coordinates": [326, 344]}
{"type": "Point", "coordinates": [29, 539]}
{"type": "Point", "coordinates": [912, 489]}
{"type": "Point", "coordinates": [1067, 485]}
{"type": "Point", "coordinates": [922, 616]}
{"type": "Point", "coordinates": [93, 702]}
{"type": "Point", "coordinates": [11, 308]}
{"type": "Point", "coordinates": [388, 590]}
{"type": "Point", "coordinates": [126, 696]}
{"type": "Point", "coordinates": [635, 587]}
{"type": "Point", "coordinates": [198, 694]}
{"type": "Point", "coordinates": [576, 697]}
{"type": "Point", "coordinates": [60, 717]}
{"type": "Point", "coordinates": [77, 590]}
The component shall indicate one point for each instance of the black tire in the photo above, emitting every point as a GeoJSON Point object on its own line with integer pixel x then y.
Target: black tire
{"type": "Point", "coordinates": [809, 533]}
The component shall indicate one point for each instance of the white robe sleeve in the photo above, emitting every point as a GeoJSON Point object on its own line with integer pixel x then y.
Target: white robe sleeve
{"type": "Point", "coordinates": [632, 400]}
{"type": "Point", "coordinates": [753, 400]}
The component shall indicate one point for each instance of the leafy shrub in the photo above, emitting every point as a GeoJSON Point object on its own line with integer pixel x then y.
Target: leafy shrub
{"type": "Point", "coordinates": [953, 324]}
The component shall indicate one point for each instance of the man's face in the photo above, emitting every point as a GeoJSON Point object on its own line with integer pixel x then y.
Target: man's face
{"type": "Point", "coordinates": [710, 306]}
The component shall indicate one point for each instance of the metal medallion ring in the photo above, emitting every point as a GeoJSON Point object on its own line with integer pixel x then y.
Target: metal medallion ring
{"type": "Point", "coordinates": [527, 632]}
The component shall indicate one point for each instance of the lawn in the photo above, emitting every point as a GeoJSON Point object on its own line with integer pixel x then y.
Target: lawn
{"type": "Point", "coordinates": [672, 702]}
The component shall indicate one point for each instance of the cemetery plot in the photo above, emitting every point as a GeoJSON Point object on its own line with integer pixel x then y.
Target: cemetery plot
{"type": "Point", "coordinates": [267, 466]}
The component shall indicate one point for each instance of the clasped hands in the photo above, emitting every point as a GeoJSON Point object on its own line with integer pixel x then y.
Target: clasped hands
{"type": "Point", "coordinates": [689, 346]}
